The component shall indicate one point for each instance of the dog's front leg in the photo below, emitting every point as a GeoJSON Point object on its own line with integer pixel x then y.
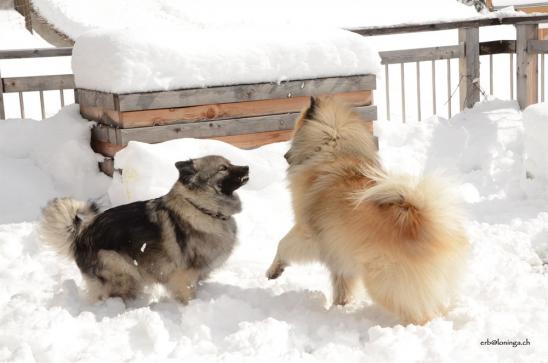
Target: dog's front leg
{"type": "Point", "coordinates": [297, 246]}
{"type": "Point", "coordinates": [182, 283]}
{"type": "Point", "coordinates": [343, 288]}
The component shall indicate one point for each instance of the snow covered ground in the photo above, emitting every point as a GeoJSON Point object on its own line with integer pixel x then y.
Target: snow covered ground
{"type": "Point", "coordinates": [238, 315]}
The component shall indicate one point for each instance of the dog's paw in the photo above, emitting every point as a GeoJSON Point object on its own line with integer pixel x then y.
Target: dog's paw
{"type": "Point", "coordinates": [340, 301]}
{"type": "Point", "coordinates": [274, 271]}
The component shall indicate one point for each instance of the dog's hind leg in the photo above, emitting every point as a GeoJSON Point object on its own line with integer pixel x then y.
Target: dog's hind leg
{"type": "Point", "coordinates": [296, 247]}
{"type": "Point", "coordinates": [343, 288]}
{"type": "Point", "coordinates": [182, 284]}
{"type": "Point", "coordinates": [96, 289]}
{"type": "Point", "coordinates": [118, 275]}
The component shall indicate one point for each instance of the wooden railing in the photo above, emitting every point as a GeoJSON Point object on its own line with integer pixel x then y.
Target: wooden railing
{"type": "Point", "coordinates": [20, 85]}
{"type": "Point", "coordinates": [526, 46]}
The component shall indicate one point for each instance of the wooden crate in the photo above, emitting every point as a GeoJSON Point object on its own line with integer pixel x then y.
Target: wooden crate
{"type": "Point", "coordinates": [246, 116]}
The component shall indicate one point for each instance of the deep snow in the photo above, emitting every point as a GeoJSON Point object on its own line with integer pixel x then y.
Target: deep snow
{"type": "Point", "coordinates": [240, 316]}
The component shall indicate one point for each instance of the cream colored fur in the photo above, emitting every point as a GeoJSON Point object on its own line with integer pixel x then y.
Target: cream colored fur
{"type": "Point", "coordinates": [401, 236]}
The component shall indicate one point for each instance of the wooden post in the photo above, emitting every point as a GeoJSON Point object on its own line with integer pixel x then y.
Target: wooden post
{"type": "Point", "coordinates": [2, 112]}
{"type": "Point", "coordinates": [469, 68]}
{"type": "Point", "coordinates": [527, 68]}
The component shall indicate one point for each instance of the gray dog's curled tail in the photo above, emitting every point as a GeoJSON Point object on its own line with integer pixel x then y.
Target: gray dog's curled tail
{"type": "Point", "coordinates": [61, 221]}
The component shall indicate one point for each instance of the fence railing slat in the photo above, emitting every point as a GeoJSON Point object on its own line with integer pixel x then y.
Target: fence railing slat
{"type": "Point", "coordinates": [537, 46]}
{"type": "Point", "coordinates": [542, 77]}
{"type": "Point", "coordinates": [21, 105]}
{"type": "Point", "coordinates": [449, 88]}
{"type": "Point", "coordinates": [511, 76]}
{"type": "Point", "coordinates": [387, 81]}
{"type": "Point", "coordinates": [38, 83]}
{"type": "Point", "coordinates": [62, 96]}
{"type": "Point", "coordinates": [436, 25]}
{"type": "Point", "coordinates": [490, 74]}
{"type": "Point", "coordinates": [469, 67]}
{"type": "Point", "coordinates": [434, 88]}
{"type": "Point", "coordinates": [35, 53]}
{"type": "Point", "coordinates": [403, 91]}
{"type": "Point", "coordinates": [42, 106]}
{"type": "Point", "coordinates": [421, 54]}
{"type": "Point", "coordinates": [2, 111]}
{"type": "Point", "coordinates": [419, 91]}
{"type": "Point", "coordinates": [526, 65]}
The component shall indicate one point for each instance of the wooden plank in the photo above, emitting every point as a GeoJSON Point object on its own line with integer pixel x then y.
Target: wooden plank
{"type": "Point", "coordinates": [89, 98]}
{"type": "Point", "coordinates": [526, 76]}
{"type": "Point", "coordinates": [209, 129]}
{"type": "Point", "coordinates": [421, 54]}
{"type": "Point", "coordinates": [543, 33]}
{"type": "Point", "coordinates": [42, 106]}
{"type": "Point", "coordinates": [387, 90]}
{"type": "Point", "coordinates": [537, 46]}
{"type": "Point", "coordinates": [38, 83]}
{"type": "Point", "coordinates": [532, 9]}
{"type": "Point", "coordinates": [2, 111]}
{"type": "Point", "coordinates": [433, 26]}
{"type": "Point", "coordinates": [469, 68]}
{"type": "Point", "coordinates": [104, 116]}
{"type": "Point", "coordinates": [498, 47]}
{"type": "Point", "coordinates": [35, 53]}
{"type": "Point", "coordinates": [245, 141]}
{"type": "Point", "coordinates": [107, 166]}
{"type": "Point", "coordinates": [239, 93]}
{"type": "Point", "coordinates": [250, 141]}
{"type": "Point", "coordinates": [219, 111]}
{"type": "Point", "coordinates": [105, 148]}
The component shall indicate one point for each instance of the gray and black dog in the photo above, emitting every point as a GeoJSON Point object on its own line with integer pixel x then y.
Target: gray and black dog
{"type": "Point", "coordinates": [175, 240]}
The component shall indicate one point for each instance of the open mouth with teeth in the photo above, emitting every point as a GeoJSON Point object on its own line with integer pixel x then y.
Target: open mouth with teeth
{"type": "Point", "coordinates": [237, 176]}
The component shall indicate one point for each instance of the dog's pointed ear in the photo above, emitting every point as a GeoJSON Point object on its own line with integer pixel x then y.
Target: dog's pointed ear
{"type": "Point", "coordinates": [310, 112]}
{"type": "Point", "coordinates": [186, 171]}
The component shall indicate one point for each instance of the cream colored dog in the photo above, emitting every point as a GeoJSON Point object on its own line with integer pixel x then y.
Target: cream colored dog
{"type": "Point", "coordinates": [401, 236]}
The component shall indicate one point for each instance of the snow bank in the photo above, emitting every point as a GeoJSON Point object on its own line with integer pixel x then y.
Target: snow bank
{"type": "Point", "coordinates": [43, 159]}
{"type": "Point", "coordinates": [154, 59]}
{"type": "Point", "coordinates": [535, 121]}
{"type": "Point", "coordinates": [75, 17]}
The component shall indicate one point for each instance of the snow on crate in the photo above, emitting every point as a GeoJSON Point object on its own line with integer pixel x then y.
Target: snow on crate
{"type": "Point", "coordinates": [159, 59]}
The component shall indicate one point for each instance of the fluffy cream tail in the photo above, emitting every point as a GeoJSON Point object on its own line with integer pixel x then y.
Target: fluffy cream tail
{"type": "Point", "coordinates": [415, 202]}
{"type": "Point", "coordinates": [61, 221]}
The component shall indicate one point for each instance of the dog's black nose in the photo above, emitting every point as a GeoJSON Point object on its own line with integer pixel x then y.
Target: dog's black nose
{"type": "Point", "coordinates": [286, 156]}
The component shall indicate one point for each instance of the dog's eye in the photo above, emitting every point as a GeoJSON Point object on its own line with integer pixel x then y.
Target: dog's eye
{"type": "Point", "coordinates": [222, 168]}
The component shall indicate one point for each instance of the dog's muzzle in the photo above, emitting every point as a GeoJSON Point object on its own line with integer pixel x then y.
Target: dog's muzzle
{"type": "Point", "coordinates": [238, 176]}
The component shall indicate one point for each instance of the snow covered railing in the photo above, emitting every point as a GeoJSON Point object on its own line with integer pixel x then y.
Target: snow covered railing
{"type": "Point", "coordinates": [468, 51]}
{"type": "Point", "coordinates": [20, 85]}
